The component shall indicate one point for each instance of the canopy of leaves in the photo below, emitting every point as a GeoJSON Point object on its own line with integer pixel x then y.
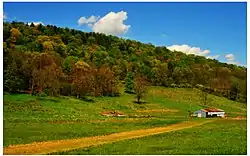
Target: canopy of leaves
{"type": "Point", "coordinates": [106, 59]}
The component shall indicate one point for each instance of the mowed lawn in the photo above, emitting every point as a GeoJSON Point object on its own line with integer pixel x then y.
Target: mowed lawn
{"type": "Point", "coordinates": [30, 119]}
{"type": "Point", "coordinates": [222, 137]}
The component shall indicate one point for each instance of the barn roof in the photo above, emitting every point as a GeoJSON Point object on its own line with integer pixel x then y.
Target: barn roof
{"type": "Point", "coordinates": [212, 110]}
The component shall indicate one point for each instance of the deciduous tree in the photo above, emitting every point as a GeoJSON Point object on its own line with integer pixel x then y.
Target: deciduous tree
{"type": "Point", "coordinates": [141, 87]}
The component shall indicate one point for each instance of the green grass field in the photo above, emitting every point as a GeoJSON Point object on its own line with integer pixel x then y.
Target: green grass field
{"type": "Point", "coordinates": [30, 119]}
{"type": "Point", "coordinates": [218, 138]}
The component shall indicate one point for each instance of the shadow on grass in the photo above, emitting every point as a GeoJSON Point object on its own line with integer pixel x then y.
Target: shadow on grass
{"type": "Point", "coordinates": [140, 102]}
{"type": "Point", "coordinates": [87, 99]}
{"type": "Point", "coordinates": [47, 99]}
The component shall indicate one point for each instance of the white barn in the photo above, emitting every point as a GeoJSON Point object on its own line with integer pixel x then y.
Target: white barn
{"type": "Point", "coordinates": [210, 112]}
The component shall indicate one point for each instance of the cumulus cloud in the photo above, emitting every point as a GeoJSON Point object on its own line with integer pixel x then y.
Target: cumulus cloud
{"type": "Point", "coordinates": [189, 50]}
{"type": "Point", "coordinates": [230, 57]}
{"type": "Point", "coordinates": [90, 25]}
{"type": "Point", "coordinates": [84, 20]}
{"type": "Point", "coordinates": [110, 24]}
{"type": "Point", "coordinates": [36, 23]}
{"type": "Point", "coordinates": [213, 57]}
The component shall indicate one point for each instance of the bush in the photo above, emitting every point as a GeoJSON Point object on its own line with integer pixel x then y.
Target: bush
{"type": "Point", "coordinates": [34, 92]}
{"type": "Point", "coordinates": [173, 85]}
{"type": "Point", "coordinates": [182, 85]}
{"type": "Point", "coordinates": [188, 85]}
{"type": "Point", "coordinates": [42, 94]}
{"type": "Point", "coordinates": [46, 91]}
{"type": "Point", "coordinates": [199, 86]}
{"type": "Point", "coordinates": [65, 89]}
{"type": "Point", "coordinates": [117, 94]}
{"type": "Point", "coordinates": [87, 99]}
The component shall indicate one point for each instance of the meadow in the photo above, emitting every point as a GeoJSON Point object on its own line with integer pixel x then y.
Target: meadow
{"type": "Point", "coordinates": [30, 119]}
{"type": "Point", "coordinates": [217, 138]}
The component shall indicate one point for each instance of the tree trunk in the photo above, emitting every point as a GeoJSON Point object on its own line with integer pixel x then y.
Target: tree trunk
{"type": "Point", "coordinates": [138, 99]}
{"type": "Point", "coordinates": [32, 88]}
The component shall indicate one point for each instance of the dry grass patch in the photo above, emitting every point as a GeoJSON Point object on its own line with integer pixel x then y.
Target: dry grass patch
{"type": "Point", "coordinates": [240, 113]}
{"type": "Point", "coordinates": [117, 120]}
{"type": "Point", "coordinates": [158, 111]}
{"type": "Point", "coordinates": [240, 118]}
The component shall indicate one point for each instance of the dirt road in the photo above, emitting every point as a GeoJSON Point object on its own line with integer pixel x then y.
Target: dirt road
{"type": "Point", "coordinates": [70, 144]}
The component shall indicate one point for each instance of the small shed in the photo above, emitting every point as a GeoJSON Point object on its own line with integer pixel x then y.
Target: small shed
{"type": "Point", "coordinates": [209, 112]}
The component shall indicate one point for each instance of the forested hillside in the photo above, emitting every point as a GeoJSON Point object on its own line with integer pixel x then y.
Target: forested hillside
{"type": "Point", "coordinates": [61, 61]}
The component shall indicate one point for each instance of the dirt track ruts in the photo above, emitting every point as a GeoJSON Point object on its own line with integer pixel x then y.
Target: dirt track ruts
{"type": "Point", "coordinates": [70, 144]}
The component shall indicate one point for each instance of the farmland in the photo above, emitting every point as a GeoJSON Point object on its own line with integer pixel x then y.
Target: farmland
{"type": "Point", "coordinates": [29, 119]}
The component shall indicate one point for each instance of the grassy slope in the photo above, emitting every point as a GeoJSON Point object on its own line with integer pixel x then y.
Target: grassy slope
{"type": "Point", "coordinates": [218, 138]}
{"type": "Point", "coordinates": [29, 118]}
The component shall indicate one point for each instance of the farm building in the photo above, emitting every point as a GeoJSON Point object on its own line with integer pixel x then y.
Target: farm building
{"type": "Point", "coordinates": [209, 112]}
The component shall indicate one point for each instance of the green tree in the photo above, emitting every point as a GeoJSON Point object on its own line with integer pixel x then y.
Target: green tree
{"type": "Point", "coordinates": [235, 89]}
{"type": "Point", "coordinates": [129, 83]}
{"type": "Point", "coordinates": [68, 64]}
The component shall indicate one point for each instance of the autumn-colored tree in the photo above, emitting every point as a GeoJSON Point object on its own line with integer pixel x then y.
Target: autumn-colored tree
{"type": "Point", "coordinates": [15, 34]}
{"type": "Point", "coordinates": [110, 59]}
{"type": "Point", "coordinates": [105, 82]}
{"type": "Point", "coordinates": [141, 87]}
{"type": "Point", "coordinates": [81, 80]}
{"type": "Point", "coordinates": [45, 74]}
{"type": "Point", "coordinates": [223, 76]}
{"type": "Point", "coordinates": [47, 46]}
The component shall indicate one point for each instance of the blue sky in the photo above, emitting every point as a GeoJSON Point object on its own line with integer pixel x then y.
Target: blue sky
{"type": "Point", "coordinates": [216, 30]}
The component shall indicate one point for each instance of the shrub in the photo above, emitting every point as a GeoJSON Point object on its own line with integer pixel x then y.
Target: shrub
{"type": "Point", "coordinates": [65, 89]}
{"type": "Point", "coordinates": [182, 85]}
{"type": "Point", "coordinates": [173, 85]}
{"type": "Point", "coordinates": [42, 94]}
{"type": "Point", "coordinates": [188, 85]}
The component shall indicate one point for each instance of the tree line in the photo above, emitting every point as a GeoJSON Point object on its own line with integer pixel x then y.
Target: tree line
{"type": "Point", "coordinates": [61, 61]}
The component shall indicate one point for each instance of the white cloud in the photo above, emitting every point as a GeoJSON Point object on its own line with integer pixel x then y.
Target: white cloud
{"type": "Point", "coordinates": [189, 50]}
{"type": "Point", "coordinates": [213, 57]}
{"type": "Point", "coordinates": [230, 57]}
{"type": "Point", "coordinates": [84, 20]}
{"type": "Point", "coordinates": [112, 24]}
{"type": "Point", "coordinates": [35, 23]}
{"type": "Point", "coordinates": [90, 25]}
{"type": "Point", "coordinates": [4, 16]}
